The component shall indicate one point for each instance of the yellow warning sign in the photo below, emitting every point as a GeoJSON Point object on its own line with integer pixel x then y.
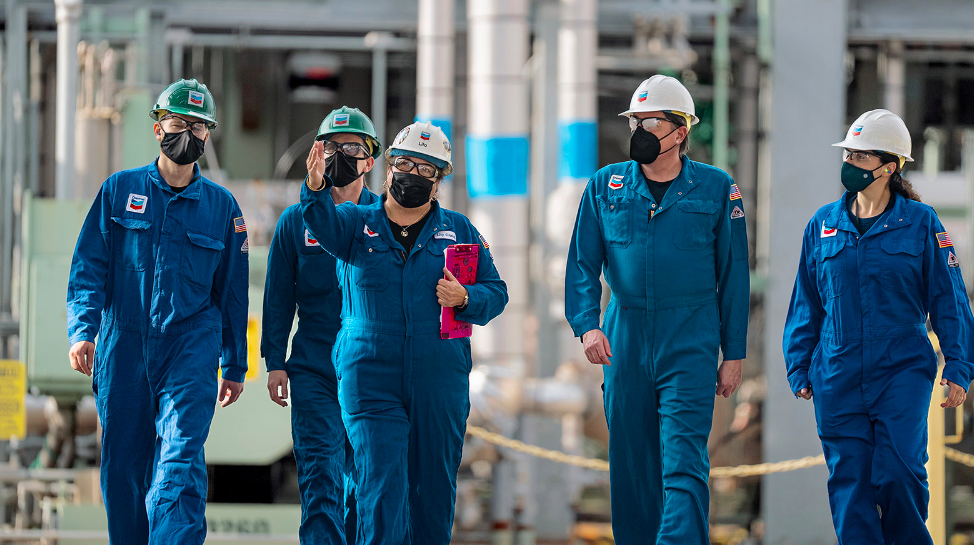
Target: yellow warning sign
{"type": "Point", "coordinates": [13, 385]}
{"type": "Point", "coordinates": [253, 349]}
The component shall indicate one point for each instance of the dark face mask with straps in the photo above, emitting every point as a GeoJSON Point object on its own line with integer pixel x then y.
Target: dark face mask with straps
{"type": "Point", "coordinates": [410, 190]}
{"type": "Point", "coordinates": [183, 148]}
{"type": "Point", "coordinates": [644, 146]}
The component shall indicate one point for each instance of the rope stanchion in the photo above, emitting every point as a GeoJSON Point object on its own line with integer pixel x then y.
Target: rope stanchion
{"type": "Point", "coordinates": [602, 465]}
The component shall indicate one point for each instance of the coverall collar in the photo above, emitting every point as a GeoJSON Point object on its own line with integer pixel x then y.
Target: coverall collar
{"type": "Point", "coordinates": [899, 216]}
{"type": "Point", "coordinates": [192, 191]}
{"type": "Point", "coordinates": [682, 184]}
{"type": "Point", "coordinates": [377, 220]}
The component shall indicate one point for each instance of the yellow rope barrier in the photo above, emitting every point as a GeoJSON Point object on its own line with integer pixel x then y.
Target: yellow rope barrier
{"type": "Point", "coordinates": [736, 471]}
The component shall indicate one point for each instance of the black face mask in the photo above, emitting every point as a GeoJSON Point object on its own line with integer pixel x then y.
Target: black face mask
{"type": "Point", "coordinates": [342, 169]}
{"type": "Point", "coordinates": [644, 146]}
{"type": "Point", "coordinates": [410, 190]}
{"type": "Point", "coordinates": [183, 148]}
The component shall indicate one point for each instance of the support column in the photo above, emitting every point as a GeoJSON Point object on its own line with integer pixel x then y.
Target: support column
{"type": "Point", "coordinates": [807, 113]}
{"type": "Point", "coordinates": [435, 71]}
{"type": "Point", "coordinates": [68, 30]}
{"type": "Point", "coordinates": [497, 182]}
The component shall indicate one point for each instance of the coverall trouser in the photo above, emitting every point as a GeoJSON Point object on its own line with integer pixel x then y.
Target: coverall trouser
{"type": "Point", "coordinates": [659, 404]}
{"type": "Point", "coordinates": [405, 402]}
{"type": "Point", "coordinates": [320, 449]}
{"type": "Point", "coordinates": [872, 420]}
{"type": "Point", "coordinates": [155, 397]}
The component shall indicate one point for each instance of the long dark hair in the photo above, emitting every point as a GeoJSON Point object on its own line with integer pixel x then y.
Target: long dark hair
{"type": "Point", "coordinates": [897, 183]}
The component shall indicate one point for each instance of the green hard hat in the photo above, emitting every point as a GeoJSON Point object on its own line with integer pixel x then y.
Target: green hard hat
{"type": "Point", "coordinates": [187, 97]}
{"type": "Point", "coordinates": [350, 120]}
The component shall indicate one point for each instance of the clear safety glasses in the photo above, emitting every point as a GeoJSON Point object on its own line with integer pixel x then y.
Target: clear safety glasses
{"type": "Point", "coordinates": [648, 123]}
{"type": "Point", "coordinates": [425, 170]}
{"type": "Point", "coordinates": [172, 124]}
{"type": "Point", "coordinates": [350, 149]}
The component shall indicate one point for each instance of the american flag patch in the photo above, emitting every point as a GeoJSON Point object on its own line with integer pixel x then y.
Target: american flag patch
{"type": "Point", "coordinates": [944, 240]}
{"type": "Point", "coordinates": [484, 242]}
{"type": "Point", "coordinates": [239, 225]}
{"type": "Point", "coordinates": [735, 193]}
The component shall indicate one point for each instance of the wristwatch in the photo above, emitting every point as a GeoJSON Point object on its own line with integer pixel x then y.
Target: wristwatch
{"type": "Point", "coordinates": [466, 299]}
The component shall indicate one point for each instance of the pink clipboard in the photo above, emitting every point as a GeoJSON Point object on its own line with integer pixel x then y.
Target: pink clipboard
{"type": "Point", "coordinates": [461, 260]}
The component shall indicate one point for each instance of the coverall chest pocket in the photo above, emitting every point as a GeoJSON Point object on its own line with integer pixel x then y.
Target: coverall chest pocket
{"type": "Point", "coordinates": [132, 242]}
{"type": "Point", "coordinates": [696, 227]}
{"type": "Point", "coordinates": [435, 263]}
{"type": "Point", "coordinates": [831, 268]}
{"type": "Point", "coordinates": [616, 221]}
{"type": "Point", "coordinates": [200, 259]}
{"type": "Point", "coordinates": [373, 265]}
{"type": "Point", "coordinates": [316, 269]}
{"type": "Point", "coordinates": [902, 263]}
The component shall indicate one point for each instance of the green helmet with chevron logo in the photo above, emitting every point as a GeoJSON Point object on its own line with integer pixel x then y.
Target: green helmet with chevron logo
{"type": "Point", "coordinates": [351, 120]}
{"type": "Point", "coordinates": [186, 97]}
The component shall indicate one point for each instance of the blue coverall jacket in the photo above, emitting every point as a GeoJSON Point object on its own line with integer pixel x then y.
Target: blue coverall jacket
{"type": "Point", "coordinates": [678, 272]}
{"type": "Point", "coordinates": [301, 276]}
{"type": "Point", "coordinates": [404, 391]}
{"type": "Point", "coordinates": [856, 335]}
{"type": "Point", "coordinates": [161, 279]}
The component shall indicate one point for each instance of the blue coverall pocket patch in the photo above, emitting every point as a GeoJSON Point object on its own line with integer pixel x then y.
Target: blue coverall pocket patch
{"type": "Point", "coordinates": [831, 268]}
{"type": "Point", "coordinates": [616, 219]}
{"type": "Point", "coordinates": [374, 263]}
{"type": "Point", "coordinates": [903, 264]}
{"type": "Point", "coordinates": [696, 227]}
{"type": "Point", "coordinates": [132, 243]}
{"type": "Point", "coordinates": [201, 258]}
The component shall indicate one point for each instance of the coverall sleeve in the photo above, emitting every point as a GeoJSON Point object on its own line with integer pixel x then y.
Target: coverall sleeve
{"type": "Point", "coordinates": [232, 283]}
{"type": "Point", "coordinates": [733, 279]}
{"type": "Point", "coordinates": [89, 270]}
{"type": "Point", "coordinates": [950, 309]}
{"type": "Point", "coordinates": [488, 296]}
{"type": "Point", "coordinates": [583, 271]}
{"type": "Point", "coordinates": [279, 296]}
{"type": "Point", "coordinates": [333, 226]}
{"type": "Point", "coordinates": [803, 324]}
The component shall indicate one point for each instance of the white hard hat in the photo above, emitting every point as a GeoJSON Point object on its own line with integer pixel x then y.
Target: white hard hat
{"type": "Point", "coordinates": [879, 130]}
{"type": "Point", "coordinates": [662, 93]}
{"type": "Point", "coordinates": [426, 141]}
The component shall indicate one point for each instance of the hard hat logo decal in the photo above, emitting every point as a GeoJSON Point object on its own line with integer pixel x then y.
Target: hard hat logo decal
{"type": "Point", "coordinates": [402, 136]}
{"type": "Point", "coordinates": [341, 120]}
{"type": "Point", "coordinates": [424, 137]}
{"type": "Point", "coordinates": [446, 145]}
{"type": "Point", "coordinates": [196, 98]}
{"type": "Point", "coordinates": [642, 96]}
{"type": "Point", "coordinates": [856, 130]}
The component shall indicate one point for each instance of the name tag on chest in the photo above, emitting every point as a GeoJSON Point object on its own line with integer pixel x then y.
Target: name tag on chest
{"type": "Point", "coordinates": [447, 235]}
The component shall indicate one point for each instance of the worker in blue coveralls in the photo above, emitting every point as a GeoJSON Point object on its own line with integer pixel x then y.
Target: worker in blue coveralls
{"type": "Point", "coordinates": [874, 265]}
{"type": "Point", "coordinates": [403, 389]}
{"type": "Point", "coordinates": [301, 275]}
{"type": "Point", "coordinates": [669, 235]}
{"type": "Point", "coordinates": [159, 276]}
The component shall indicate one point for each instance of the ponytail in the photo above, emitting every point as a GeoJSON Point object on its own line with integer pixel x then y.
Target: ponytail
{"type": "Point", "coordinates": [897, 183]}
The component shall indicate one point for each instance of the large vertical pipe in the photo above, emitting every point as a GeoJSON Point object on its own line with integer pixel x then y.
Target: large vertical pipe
{"type": "Point", "coordinates": [435, 56]}
{"type": "Point", "coordinates": [808, 87]}
{"type": "Point", "coordinates": [380, 74]}
{"type": "Point", "coordinates": [15, 108]}
{"type": "Point", "coordinates": [497, 182]}
{"type": "Point", "coordinates": [894, 78]}
{"type": "Point", "coordinates": [68, 15]}
{"type": "Point", "coordinates": [577, 46]}
{"type": "Point", "coordinates": [721, 66]}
